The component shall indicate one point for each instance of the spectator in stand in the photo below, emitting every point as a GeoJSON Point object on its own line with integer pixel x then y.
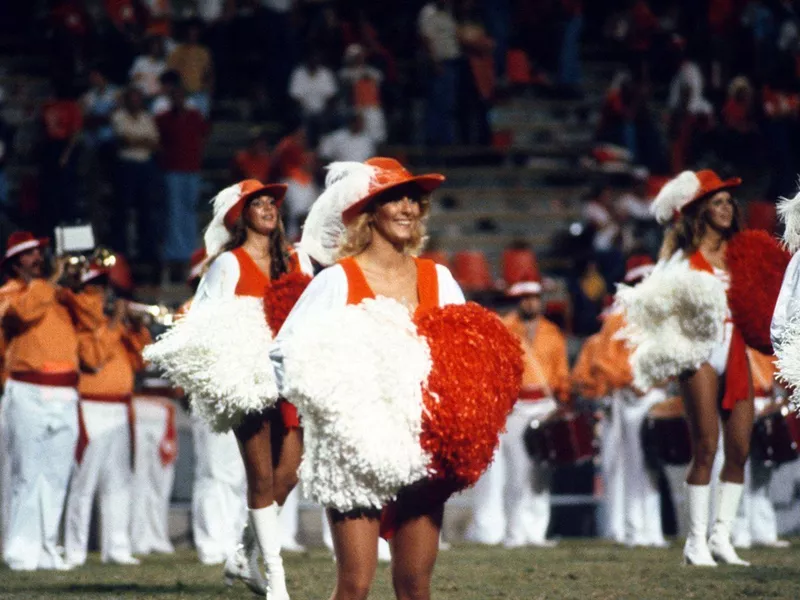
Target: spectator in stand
{"type": "Point", "coordinates": [281, 51]}
{"type": "Point", "coordinates": [477, 77]}
{"type": "Point", "coordinates": [253, 162]}
{"type": "Point", "coordinates": [147, 68]}
{"type": "Point", "coordinates": [601, 214]}
{"type": "Point", "coordinates": [569, 60]}
{"type": "Point", "coordinates": [759, 22]}
{"type": "Point", "coordinates": [193, 61]}
{"type": "Point", "coordinates": [438, 33]}
{"type": "Point", "coordinates": [587, 290]}
{"type": "Point", "coordinates": [6, 147]}
{"type": "Point", "coordinates": [643, 27]}
{"type": "Point", "coordinates": [781, 105]}
{"type": "Point", "coordinates": [637, 224]}
{"type": "Point", "coordinates": [361, 82]}
{"type": "Point", "coordinates": [348, 143]}
{"type": "Point", "coordinates": [313, 87]}
{"type": "Point", "coordinates": [169, 81]}
{"type": "Point", "coordinates": [70, 29]}
{"type": "Point", "coordinates": [301, 192]}
{"type": "Point", "coordinates": [62, 120]}
{"type": "Point", "coordinates": [740, 140]}
{"type": "Point", "coordinates": [99, 102]}
{"type": "Point", "coordinates": [326, 36]}
{"type": "Point", "coordinates": [689, 80]}
{"type": "Point", "coordinates": [183, 132]}
{"type": "Point", "coordinates": [138, 188]}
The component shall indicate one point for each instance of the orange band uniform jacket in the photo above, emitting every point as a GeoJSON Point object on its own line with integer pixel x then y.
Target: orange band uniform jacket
{"type": "Point", "coordinates": [587, 380]}
{"type": "Point", "coordinates": [762, 368]}
{"type": "Point", "coordinates": [612, 359]}
{"type": "Point", "coordinates": [545, 362]}
{"type": "Point", "coordinates": [41, 324]}
{"type": "Point", "coordinates": [110, 354]}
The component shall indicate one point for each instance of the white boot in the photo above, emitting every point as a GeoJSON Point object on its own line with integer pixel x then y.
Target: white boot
{"type": "Point", "coordinates": [267, 529]}
{"type": "Point", "coordinates": [696, 551]}
{"type": "Point", "coordinates": [719, 543]}
{"type": "Point", "coordinates": [242, 564]}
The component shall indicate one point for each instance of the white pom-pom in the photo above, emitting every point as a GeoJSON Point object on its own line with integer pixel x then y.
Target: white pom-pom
{"type": "Point", "coordinates": [218, 354]}
{"type": "Point", "coordinates": [675, 194]}
{"type": "Point", "coordinates": [346, 183]}
{"type": "Point", "coordinates": [216, 234]}
{"type": "Point", "coordinates": [789, 213]}
{"type": "Point", "coordinates": [355, 375]}
{"type": "Point", "coordinates": [787, 354]}
{"type": "Point", "coordinates": [674, 318]}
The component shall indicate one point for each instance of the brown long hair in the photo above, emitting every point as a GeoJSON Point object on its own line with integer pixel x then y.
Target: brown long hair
{"type": "Point", "coordinates": [278, 246]}
{"type": "Point", "coordinates": [688, 231]}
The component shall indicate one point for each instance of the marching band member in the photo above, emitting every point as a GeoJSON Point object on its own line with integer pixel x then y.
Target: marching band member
{"type": "Point", "coordinates": [631, 490]}
{"type": "Point", "coordinates": [363, 353]}
{"type": "Point", "coordinates": [40, 405]}
{"type": "Point", "coordinates": [249, 255]}
{"type": "Point", "coordinates": [756, 523]}
{"type": "Point", "coordinates": [104, 461]}
{"type": "Point", "coordinates": [679, 321]}
{"type": "Point", "coordinates": [219, 501]}
{"type": "Point", "coordinates": [513, 479]}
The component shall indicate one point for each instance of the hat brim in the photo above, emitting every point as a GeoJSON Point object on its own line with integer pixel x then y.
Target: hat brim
{"type": "Point", "coordinates": [728, 184]}
{"type": "Point", "coordinates": [277, 191]}
{"type": "Point", "coordinates": [42, 243]}
{"type": "Point", "coordinates": [424, 183]}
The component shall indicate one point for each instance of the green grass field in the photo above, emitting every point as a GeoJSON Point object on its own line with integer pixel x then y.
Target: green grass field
{"type": "Point", "coordinates": [581, 569]}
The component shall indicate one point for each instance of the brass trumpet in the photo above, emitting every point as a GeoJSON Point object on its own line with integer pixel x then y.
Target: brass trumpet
{"type": "Point", "coordinates": [153, 313]}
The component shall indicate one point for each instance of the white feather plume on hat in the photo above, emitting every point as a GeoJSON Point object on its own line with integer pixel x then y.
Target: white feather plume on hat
{"type": "Point", "coordinates": [345, 184]}
{"type": "Point", "coordinates": [789, 213]}
{"type": "Point", "coordinates": [675, 194]}
{"type": "Point", "coordinates": [216, 234]}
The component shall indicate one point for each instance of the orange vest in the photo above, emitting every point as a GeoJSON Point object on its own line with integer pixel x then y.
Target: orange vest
{"type": "Point", "coordinates": [252, 281]}
{"type": "Point", "coordinates": [427, 283]}
{"type": "Point", "coordinates": [544, 357]}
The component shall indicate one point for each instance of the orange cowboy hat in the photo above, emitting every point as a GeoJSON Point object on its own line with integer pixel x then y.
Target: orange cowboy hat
{"type": "Point", "coordinates": [388, 174]}
{"type": "Point", "coordinates": [686, 189]}
{"type": "Point", "coordinates": [228, 206]}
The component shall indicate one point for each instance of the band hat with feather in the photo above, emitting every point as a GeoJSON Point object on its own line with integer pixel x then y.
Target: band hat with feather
{"type": "Point", "coordinates": [228, 206]}
{"type": "Point", "coordinates": [22, 241]}
{"type": "Point", "coordinates": [789, 213]}
{"type": "Point", "coordinates": [638, 267]}
{"type": "Point", "coordinates": [524, 288]}
{"type": "Point", "coordinates": [390, 174]}
{"type": "Point", "coordinates": [686, 189]}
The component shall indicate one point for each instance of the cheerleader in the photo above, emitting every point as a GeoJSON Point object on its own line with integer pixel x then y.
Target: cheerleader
{"type": "Point", "coordinates": [687, 333]}
{"type": "Point", "coordinates": [216, 353]}
{"type": "Point", "coordinates": [353, 361]}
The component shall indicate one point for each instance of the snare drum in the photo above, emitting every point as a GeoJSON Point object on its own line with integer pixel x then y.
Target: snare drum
{"type": "Point", "coordinates": [776, 435]}
{"type": "Point", "coordinates": [665, 435]}
{"type": "Point", "coordinates": [564, 437]}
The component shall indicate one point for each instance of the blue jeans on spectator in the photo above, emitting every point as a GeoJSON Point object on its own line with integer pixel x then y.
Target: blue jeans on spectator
{"type": "Point", "coordinates": [202, 102]}
{"type": "Point", "coordinates": [569, 64]}
{"type": "Point", "coordinates": [440, 112]}
{"type": "Point", "coordinates": [141, 190]}
{"type": "Point", "coordinates": [183, 193]}
{"type": "Point", "coordinates": [4, 197]}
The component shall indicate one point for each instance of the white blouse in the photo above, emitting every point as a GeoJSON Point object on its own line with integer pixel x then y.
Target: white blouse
{"type": "Point", "coordinates": [787, 305]}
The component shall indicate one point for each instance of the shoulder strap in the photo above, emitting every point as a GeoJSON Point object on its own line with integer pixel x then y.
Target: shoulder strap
{"type": "Point", "coordinates": [427, 283]}
{"type": "Point", "coordinates": [699, 262]}
{"type": "Point", "coordinates": [357, 287]}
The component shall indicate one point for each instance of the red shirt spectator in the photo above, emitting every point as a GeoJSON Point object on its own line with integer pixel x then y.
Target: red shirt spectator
{"type": "Point", "coordinates": [644, 25]}
{"type": "Point", "coordinates": [183, 132]}
{"type": "Point", "coordinates": [248, 164]}
{"type": "Point", "coordinates": [62, 119]}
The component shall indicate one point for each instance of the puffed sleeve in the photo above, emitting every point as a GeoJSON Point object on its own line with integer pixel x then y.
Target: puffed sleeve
{"type": "Point", "coordinates": [220, 280]}
{"type": "Point", "coordinates": [31, 305]}
{"type": "Point", "coordinates": [326, 291]}
{"type": "Point", "coordinates": [449, 291]}
{"type": "Point", "coordinates": [787, 304]}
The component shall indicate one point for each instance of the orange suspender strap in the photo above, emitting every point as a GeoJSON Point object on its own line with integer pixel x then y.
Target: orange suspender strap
{"type": "Point", "coordinates": [427, 284]}
{"type": "Point", "coordinates": [737, 385]}
{"type": "Point", "coordinates": [357, 287]}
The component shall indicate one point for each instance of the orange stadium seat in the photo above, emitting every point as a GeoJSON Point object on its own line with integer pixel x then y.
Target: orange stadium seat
{"type": "Point", "coordinates": [471, 271]}
{"type": "Point", "coordinates": [438, 256]}
{"type": "Point", "coordinates": [519, 264]}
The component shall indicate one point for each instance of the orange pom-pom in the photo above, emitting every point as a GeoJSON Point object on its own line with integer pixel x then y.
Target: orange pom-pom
{"type": "Point", "coordinates": [281, 297]}
{"type": "Point", "coordinates": [756, 262]}
{"type": "Point", "coordinates": [472, 387]}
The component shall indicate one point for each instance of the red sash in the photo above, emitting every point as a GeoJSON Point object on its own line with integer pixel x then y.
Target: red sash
{"type": "Point", "coordinates": [737, 383]}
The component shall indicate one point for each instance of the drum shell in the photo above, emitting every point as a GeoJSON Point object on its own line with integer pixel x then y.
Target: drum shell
{"type": "Point", "coordinates": [666, 441]}
{"type": "Point", "coordinates": [776, 436]}
{"type": "Point", "coordinates": [563, 438]}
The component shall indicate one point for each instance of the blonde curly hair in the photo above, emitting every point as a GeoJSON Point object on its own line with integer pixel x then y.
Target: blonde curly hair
{"type": "Point", "coordinates": [358, 233]}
